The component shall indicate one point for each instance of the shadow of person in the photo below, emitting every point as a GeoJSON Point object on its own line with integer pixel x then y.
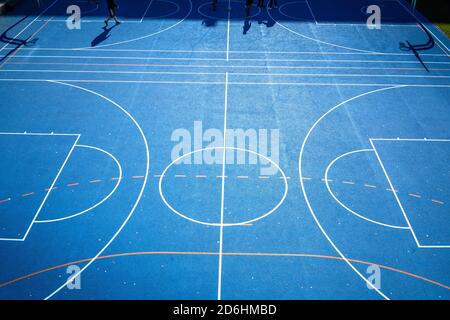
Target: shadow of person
{"type": "Point", "coordinates": [18, 43]}
{"type": "Point", "coordinates": [270, 22]}
{"type": "Point", "coordinates": [407, 46]}
{"type": "Point", "coordinates": [247, 26]}
{"type": "Point", "coordinates": [208, 22]}
{"type": "Point", "coordinates": [102, 36]}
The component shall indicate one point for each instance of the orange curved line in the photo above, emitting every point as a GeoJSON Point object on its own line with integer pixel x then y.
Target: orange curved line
{"type": "Point", "coordinates": [248, 254]}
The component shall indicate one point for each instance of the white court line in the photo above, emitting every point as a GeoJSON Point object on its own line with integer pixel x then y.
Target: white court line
{"type": "Point", "coordinates": [424, 26]}
{"type": "Point", "coordinates": [77, 137]}
{"type": "Point", "coordinates": [146, 36]}
{"type": "Point", "coordinates": [218, 66]}
{"type": "Point", "coordinates": [300, 172]}
{"type": "Point", "coordinates": [40, 133]}
{"type": "Point", "coordinates": [237, 51]}
{"type": "Point", "coordinates": [364, 25]}
{"type": "Point", "coordinates": [224, 59]}
{"type": "Point", "coordinates": [344, 47]}
{"type": "Point", "coordinates": [414, 140]}
{"type": "Point", "coordinates": [146, 10]}
{"type": "Point", "coordinates": [319, 41]}
{"type": "Point", "coordinates": [222, 197]}
{"type": "Point", "coordinates": [356, 84]}
{"type": "Point", "coordinates": [333, 195]}
{"type": "Point", "coordinates": [310, 10]}
{"type": "Point", "coordinates": [231, 73]}
{"type": "Point", "coordinates": [93, 181]}
{"type": "Point", "coordinates": [27, 26]}
{"type": "Point", "coordinates": [28, 39]}
{"type": "Point", "coordinates": [87, 21]}
{"type": "Point", "coordinates": [144, 183]}
{"type": "Point", "coordinates": [263, 216]}
{"type": "Point", "coordinates": [395, 193]}
{"type": "Point", "coordinates": [52, 186]}
{"type": "Point", "coordinates": [228, 30]}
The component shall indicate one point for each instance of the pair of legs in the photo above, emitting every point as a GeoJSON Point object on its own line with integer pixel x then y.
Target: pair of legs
{"type": "Point", "coordinates": [272, 4]}
{"type": "Point", "coordinates": [112, 16]}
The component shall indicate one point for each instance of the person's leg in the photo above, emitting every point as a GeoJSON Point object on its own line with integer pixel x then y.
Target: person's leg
{"type": "Point", "coordinates": [114, 12]}
{"type": "Point", "coordinates": [260, 3]}
{"type": "Point", "coordinates": [248, 5]}
{"type": "Point", "coordinates": [109, 17]}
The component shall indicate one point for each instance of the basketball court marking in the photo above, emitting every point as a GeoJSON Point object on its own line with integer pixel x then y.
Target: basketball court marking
{"type": "Point", "coordinates": [419, 25]}
{"type": "Point", "coordinates": [28, 25]}
{"type": "Point", "coordinates": [77, 137]}
{"type": "Point", "coordinates": [233, 83]}
{"type": "Point", "coordinates": [244, 254]}
{"type": "Point", "coordinates": [146, 10]}
{"type": "Point", "coordinates": [231, 73]}
{"type": "Point", "coordinates": [201, 176]}
{"type": "Point", "coordinates": [446, 51]}
{"type": "Point", "coordinates": [30, 38]}
{"type": "Point", "coordinates": [223, 176]}
{"type": "Point", "coordinates": [333, 195]}
{"type": "Point", "coordinates": [230, 59]}
{"type": "Point", "coordinates": [142, 37]}
{"type": "Point", "coordinates": [120, 176]}
{"type": "Point", "coordinates": [395, 193]}
{"type": "Point", "coordinates": [147, 164]}
{"type": "Point", "coordinates": [311, 210]}
{"type": "Point", "coordinates": [222, 193]}
{"type": "Point", "coordinates": [177, 6]}
{"type": "Point", "coordinates": [268, 67]}
{"type": "Point", "coordinates": [236, 51]}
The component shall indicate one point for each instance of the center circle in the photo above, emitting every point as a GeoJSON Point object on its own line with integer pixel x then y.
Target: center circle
{"type": "Point", "coordinates": [224, 224]}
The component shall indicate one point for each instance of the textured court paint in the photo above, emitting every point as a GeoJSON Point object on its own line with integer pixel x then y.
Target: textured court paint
{"type": "Point", "coordinates": [277, 79]}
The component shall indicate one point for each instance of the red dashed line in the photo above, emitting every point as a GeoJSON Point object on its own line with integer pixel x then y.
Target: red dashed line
{"type": "Point", "coordinates": [439, 202]}
{"type": "Point", "coordinates": [27, 194]}
{"type": "Point", "coordinates": [73, 184]}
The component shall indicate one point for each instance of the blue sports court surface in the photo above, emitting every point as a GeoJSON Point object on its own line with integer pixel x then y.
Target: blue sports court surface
{"type": "Point", "coordinates": [192, 153]}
